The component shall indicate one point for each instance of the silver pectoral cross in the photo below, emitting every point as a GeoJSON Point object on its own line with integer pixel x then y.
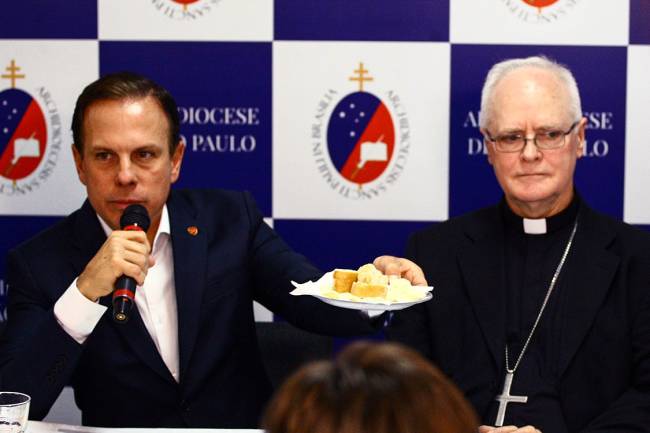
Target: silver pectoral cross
{"type": "Point", "coordinates": [504, 398]}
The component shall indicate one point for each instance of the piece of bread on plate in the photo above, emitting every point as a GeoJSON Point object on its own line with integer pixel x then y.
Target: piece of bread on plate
{"type": "Point", "coordinates": [343, 280]}
{"type": "Point", "coordinates": [369, 290]}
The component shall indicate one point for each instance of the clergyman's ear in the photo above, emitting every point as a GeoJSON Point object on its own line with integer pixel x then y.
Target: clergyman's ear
{"type": "Point", "coordinates": [486, 145]}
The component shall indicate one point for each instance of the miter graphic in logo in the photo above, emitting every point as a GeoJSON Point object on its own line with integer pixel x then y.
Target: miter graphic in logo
{"type": "Point", "coordinates": [25, 160]}
{"type": "Point", "coordinates": [540, 11]}
{"type": "Point", "coordinates": [360, 140]}
{"type": "Point", "coordinates": [185, 9]}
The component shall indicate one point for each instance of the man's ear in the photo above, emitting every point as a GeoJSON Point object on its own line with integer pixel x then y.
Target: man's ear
{"type": "Point", "coordinates": [78, 162]}
{"type": "Point", "coordinates": [176, 160]}
{"type": "Point", "coordinates": [582, 126]}
{"type": "Point", "coordinates": [486, 144]}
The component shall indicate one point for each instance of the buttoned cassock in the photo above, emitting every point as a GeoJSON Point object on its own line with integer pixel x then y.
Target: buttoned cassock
{"type": "Point", "coordinates": [604, 365]}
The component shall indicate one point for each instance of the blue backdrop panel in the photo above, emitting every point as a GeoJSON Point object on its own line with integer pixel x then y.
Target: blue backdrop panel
{"type": "Point", "coordinates": [362, 20]}
{"type": "Point", "coordinates": [599, 175]}
{"type": "Point", "coordinates": [15, 230]}
{"type": "Point", "coordinates": [223, 91]}
{"type": "Point", "coordinates": [640, 21]}
{"type": "Point", "coordinates": [52, 19]}
{"type": "Point", "coordinates": [333, 244]}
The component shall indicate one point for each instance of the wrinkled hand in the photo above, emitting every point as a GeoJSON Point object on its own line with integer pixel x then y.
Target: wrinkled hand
{"type": "Point", "coordinates": [508, 429]}
{"type": "Point", "coordinates": [404, 268]}
{"type": "Point", "coordinates": [123, 253]}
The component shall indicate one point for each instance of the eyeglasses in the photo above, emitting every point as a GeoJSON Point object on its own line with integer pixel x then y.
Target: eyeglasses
{"type": "Point", "coordinates": [516, 141]}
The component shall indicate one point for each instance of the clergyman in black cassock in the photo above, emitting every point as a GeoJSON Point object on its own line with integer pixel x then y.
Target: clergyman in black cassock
{"type": "Point", "coordinates": [541, 305]}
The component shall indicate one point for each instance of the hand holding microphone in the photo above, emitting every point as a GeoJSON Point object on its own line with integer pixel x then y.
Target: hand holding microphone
{"type": "Point", "coordinates": [134, 218]}
{"type": "Point", "coordinates": [124, 253]}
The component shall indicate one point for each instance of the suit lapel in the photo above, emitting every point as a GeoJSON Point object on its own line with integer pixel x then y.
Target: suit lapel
{"type": "Point", "coordinates": [89, 237]}
{"type": "Point", "coordinates": [590, 269]}
{"type": "Point", "coordinates": [189, 240]}
{"type": "Point", "coordinates": [483, 272]}
{"type": "Point", "coordinates": [137, 337]}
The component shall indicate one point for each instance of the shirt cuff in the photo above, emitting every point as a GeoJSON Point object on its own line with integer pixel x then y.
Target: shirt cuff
{"type": "Point", "coordinates": [77, 314]}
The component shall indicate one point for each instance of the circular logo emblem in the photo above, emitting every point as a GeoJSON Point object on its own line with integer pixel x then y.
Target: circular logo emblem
{"type": "Point", "coordinates": [30, 135]}
{"type": "Point", "coordinates": [540, 11]}
{"type": "Point", "coordinates": [360, 137]}
{"type": "Point", "coordinates": [23, 135]}
{"type": "Point", "coordinates": [182, 10]}
{"type": "Point", "coordinates": [361, 140]}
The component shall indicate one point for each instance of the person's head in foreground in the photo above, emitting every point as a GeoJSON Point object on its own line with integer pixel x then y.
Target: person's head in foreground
{"type": "Point", "coordinates": [370, 388]}
{"type": "Point", "coordinates": [534, 130]}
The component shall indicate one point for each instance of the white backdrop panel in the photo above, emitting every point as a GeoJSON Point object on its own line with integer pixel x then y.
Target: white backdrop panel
{"type": "Point", "coordinates": [565, 22]}
{"type": "Point", "coordinates": [62, 69]}
{"type": "Point", "coordinates": [212, 20]}
{"type": "Point", "coordinates": [637, 140]}
{"type": "Point", "coordinates": [416, 73]}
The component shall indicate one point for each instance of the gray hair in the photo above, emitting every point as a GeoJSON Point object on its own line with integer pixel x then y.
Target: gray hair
{"type": "Point", "coordinates": [501, 69]}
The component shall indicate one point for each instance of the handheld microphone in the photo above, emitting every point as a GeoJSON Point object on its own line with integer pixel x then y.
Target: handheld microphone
{"type": "Point", "coordinates": [135, 217]}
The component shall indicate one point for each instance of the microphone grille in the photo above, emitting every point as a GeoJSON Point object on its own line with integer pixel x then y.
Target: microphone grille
{"type": "Point", "coordinates": [135, 214]}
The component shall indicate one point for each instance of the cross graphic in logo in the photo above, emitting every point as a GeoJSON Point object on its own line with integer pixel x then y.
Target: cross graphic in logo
{"type": "Point", "coordinates": [12, 75]}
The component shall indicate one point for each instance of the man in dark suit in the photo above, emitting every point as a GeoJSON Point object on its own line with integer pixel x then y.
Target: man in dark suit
{"type": "Point", "coordinates": [188, 355]}
{"type": "Point", "coordinates": [541, 307]}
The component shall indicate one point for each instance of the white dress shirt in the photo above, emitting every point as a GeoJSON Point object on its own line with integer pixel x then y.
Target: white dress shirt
{"type": "Point", "coordinates": [155, 300]}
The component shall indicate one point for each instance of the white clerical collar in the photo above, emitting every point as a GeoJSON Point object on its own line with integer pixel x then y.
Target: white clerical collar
{"type": "Point", "coordinates": [534, 226]}
{"type": "Point", "coordinates": [163, 227]}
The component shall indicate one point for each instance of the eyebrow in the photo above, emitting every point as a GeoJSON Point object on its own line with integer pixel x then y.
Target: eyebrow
{"type": "Point", "coordinates": [510, 131]}
{"type": "Point", "coordinates": [521, 131]}
{"type": "Point", "coordinates": [149, 146]}
{"type": "Point", "coordinates": [549, 128]}
{"type": "Point", "coordinates": [99, 149]}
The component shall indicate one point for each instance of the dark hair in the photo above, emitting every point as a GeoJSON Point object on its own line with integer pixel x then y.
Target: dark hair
{"type": "Point", "coordinates": [124, 85]}
{"type": "Point", "coordinates": [370, 388]}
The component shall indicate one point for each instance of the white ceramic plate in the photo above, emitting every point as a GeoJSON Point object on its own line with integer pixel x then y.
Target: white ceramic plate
{"type": "Point", "coordinates": [367, 306]}
{"type": "Point", "coordinates": [317, 288]}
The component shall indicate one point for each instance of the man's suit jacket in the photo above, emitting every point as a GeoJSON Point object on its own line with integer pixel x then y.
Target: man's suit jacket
{"type": "Point", "coordinates": [605, 355]}
{"type": "Point", "coordinates": [118, 376]}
